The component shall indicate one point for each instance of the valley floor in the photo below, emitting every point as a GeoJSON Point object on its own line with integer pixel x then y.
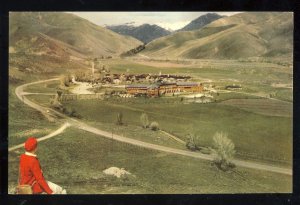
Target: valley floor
{"type": "Point", "coordinates": [76, 158]}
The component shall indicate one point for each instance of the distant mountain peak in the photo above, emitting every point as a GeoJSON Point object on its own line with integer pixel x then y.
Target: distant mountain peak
{"type": "Point", "coordinates": [145, 32]}
{"type": "Point", "coordinates": [201, 21]}
{"type": "Point", "coordinates": [244, 35]}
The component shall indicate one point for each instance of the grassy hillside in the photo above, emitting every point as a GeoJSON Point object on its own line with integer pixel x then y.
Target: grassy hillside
{"type": "Point", "coordinates": [265, 34]}
{"type": "Point", "coordinates": [46, 32]}
{"type": "Point", "coordinates": [155, 172]}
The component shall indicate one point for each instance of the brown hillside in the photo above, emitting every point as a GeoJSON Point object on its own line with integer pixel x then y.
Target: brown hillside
{"type": "Point", "coordinates": [260, 34]}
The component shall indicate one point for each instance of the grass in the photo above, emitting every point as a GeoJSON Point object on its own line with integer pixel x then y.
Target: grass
{"type": "Point", "coordinates": [284, 94]}
{"type": "Point", "coordinates": [266, 138]}
{"type": "Point", "coordinates": [80, 157]}
{"type": "Point", "coordinates": [255, 77]}
{"type": "Point", "coordinates": [232, 95]}
{"type": "Point", "coordinates": [263, 106]}
{"type": "Point", "coordinates": [49, 87]}
{"type": "Point", "coordinates": [25, 121]}
{"type": "Point", "coordinates": [221, 40]}
{"type": "Point", "coordinates": [139, 133]}
{"type": "Point", "coordinates": [75, 160]}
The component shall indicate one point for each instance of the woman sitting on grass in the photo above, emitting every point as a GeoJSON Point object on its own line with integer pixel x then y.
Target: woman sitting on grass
{"type": "Point", "coordinates": [31, 173]}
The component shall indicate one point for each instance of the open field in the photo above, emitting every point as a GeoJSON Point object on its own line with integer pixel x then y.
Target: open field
{"type": "Point", "coordinates": [204, 120]}
{"type": "Point", "coordinates": [85, 156]}
{"type": "Point", "coordinates": [49, 87]}
{"type": "Point", "coordinates": [263, 106]}
{"type": "Point", "coordinates": [25, 121]}
{"type": "Point", "coordinates": [260, 139]}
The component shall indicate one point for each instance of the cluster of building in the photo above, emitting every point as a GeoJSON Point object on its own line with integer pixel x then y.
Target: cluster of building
{"type": "Point", "coordinates": [149, 78]}
{"type": "Point", "coordinates": [160, 89]}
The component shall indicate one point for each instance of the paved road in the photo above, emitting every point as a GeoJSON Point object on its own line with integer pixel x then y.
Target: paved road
{"type": "Point", "coordinates": [84, 126]}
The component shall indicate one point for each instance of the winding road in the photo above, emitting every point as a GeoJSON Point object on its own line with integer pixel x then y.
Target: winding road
{"type": "Point", "coordinates": [50, 113]}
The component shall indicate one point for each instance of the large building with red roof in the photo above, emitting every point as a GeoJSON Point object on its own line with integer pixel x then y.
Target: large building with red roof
{"type": "Point", "coordinates": [164, 88]}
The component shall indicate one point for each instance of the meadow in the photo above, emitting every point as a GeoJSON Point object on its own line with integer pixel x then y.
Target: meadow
{"type": "Point", "coordinates": [250, 126]}
{"type": "Point", "coordinates": [25, 121]}
{"type": "Point", "coordinates": [258, 136]}
{"type": "Point", "coordinates": [75, 159]}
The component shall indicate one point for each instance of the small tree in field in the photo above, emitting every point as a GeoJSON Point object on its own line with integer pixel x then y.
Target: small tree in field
{"type": "Point", "coordinates": [224, 150]}
{"type": "Point", "coordinates": [154, 126]}
{"type": "Point", "coordinates": [65, 80]}
{"type": "Point", "coordinates": [144, 120]}
{"type": "Point", "coordinates": [120, 118]}
{"type": "Point", "coordinates": [191, 142]}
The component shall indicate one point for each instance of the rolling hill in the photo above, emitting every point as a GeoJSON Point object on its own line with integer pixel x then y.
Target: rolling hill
{"type": "Point", "coordinates": [144, 33]}
{"type": "Point", "coordinates": [250, 34]}
{"type": "Point", "coordinates": [63, 34]}
{"type": "Point", "coordinates": [201, 21]}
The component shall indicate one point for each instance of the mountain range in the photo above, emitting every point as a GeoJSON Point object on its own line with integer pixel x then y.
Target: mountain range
{"type": "Point", "coordinates": [144, 33]}
{"type": "Point", "coordinates": [201, 21]}
{"type": "Point", "coordinates": [249, 34]}
{"type": "Point", "coordinates": [64, 35]}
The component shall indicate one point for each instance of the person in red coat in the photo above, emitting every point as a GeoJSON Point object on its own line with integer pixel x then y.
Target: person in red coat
{"type": "Point", "coordinates": [31, 172]}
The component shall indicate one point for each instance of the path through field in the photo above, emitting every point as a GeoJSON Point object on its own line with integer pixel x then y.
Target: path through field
{"type": "Point", "coordinates": [81, 125]}
{"type": "Point", "coordinates": [52, 134]}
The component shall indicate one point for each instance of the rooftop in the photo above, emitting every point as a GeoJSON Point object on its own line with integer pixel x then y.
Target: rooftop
{"type": "Point", "coordinates": [187, 83]}
{"type": "Point", "coordinates": [146, 86]}
{"type": "Point", "coordinates": [137, 86]}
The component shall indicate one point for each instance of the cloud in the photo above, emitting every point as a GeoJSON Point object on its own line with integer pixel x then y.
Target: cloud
{"type": "Point", "coordinates": [173, 26]}
{"type": "Point", "coordinates": [173, 20]}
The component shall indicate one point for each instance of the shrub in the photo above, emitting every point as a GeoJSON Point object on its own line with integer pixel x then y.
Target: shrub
{"type": "Point", "coordinates": [191, 144]}
{"type": "Point", "coordinates": [54, 103]}
{"type": "Point", "coordinates": [65, 80]}
{"type": "Point", "coordinates": [144, 120]}
{"type": "Point", "coordinates": [119, 118]}
{"type": "Point", "coordinates": [73, 113]}
{"type": "Point", "coordinates": [223, 150]}
{"type": "Point", "coordinates": [154, 126]}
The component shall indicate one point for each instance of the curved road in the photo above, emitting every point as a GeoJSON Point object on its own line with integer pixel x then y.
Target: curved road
{"type": "Point", "coordinates": [78, 124]}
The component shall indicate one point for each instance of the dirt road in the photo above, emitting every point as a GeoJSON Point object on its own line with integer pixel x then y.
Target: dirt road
{"type": "Point", "coordinates": [80, 125]}
{"type": "Point", "coordinates": [82, 88]}
{"type": "Point", "coordinates": [52, 134]}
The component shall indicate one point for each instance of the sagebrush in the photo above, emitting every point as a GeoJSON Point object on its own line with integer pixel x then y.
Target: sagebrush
{"type": "Point", "coordinates": [223, 150]}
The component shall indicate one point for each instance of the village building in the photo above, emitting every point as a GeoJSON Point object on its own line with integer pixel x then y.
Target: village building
{"type": "Point", "coordinates": [164, 88]}
{"type": "Point", "coordinates": [136, 89]}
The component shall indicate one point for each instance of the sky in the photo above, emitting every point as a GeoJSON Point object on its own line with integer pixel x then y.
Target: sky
{"type": "Point", "coordinates": [167, 20]}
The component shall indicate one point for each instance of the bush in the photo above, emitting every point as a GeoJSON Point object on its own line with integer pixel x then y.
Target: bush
{"type": "Point", "coordinates": [154, 126]}
{"type": "Point", "coordinates": [73, 113]}
{"type": "Point", "coordinates": [65, 80]}
{"type": "Point", "coordinates": [224, 150]}
{"type": "Point", "coordinates": [54, 103]}
{"type": "Point", "coordinates": [191, 144]}
{"type": "Point", "coordinates": [119, 119]}
{"type": "Point", "coordinates": [144, 120]}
